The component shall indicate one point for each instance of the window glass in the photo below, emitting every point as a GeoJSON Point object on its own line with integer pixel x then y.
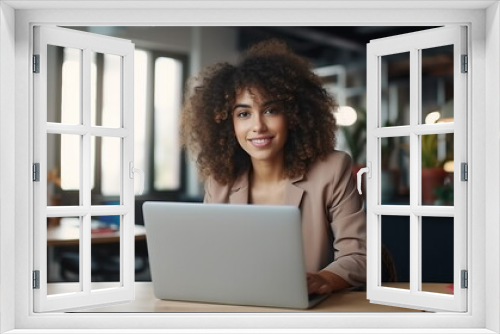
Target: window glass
{"type": "Point", "coordinates": [395, 252]}
{"type": "Point", "coordinates": [107, 92]}
{"type": "Point", "coordinates": [437, 169]}
{"type": "Point", "coordinates": [105, 250]}
{"type": "Point", "coordinates": [64, 84]}
{"type": "Point", "coordinates": [108, 155]}
{"type": "Point", "coordinates": [395, 89]}
{"type": "Point", "coordinates": [395, 170]}
{"type": "Point", "coordinates": [63, 254]}
{"type": "Point", "coordinates": [63, 169]}
{"type": "Point", "coordinates": [437, 253]}
{"type": "Point", "coordinates": [437, 85]}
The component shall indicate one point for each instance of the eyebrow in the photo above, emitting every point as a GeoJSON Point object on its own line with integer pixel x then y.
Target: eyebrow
{"type": "Point", "coordinates": [241, 106]}
{"type": "Point", "coordinates": [265, 104]}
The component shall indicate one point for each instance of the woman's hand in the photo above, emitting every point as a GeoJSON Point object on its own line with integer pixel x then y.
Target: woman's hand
{"type": "Point", "coordinates": [325, 282]}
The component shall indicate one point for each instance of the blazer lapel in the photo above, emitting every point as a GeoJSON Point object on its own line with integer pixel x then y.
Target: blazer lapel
{"type": "Point", "coordinates": [239, 190]}
{"type": "Point", "coordinates": [293, 193]}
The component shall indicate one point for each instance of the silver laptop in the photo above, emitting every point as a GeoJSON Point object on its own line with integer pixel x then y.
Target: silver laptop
{"type": "Point", "coordinates": [228, 254]}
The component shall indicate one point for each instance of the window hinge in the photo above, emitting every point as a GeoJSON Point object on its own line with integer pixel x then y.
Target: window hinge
{"type": "Point", "coordinates": [465, 279]}
{"type": "Point", "coordinates": [36, 172]}
{"type": "Point", "coordinates": [36, 279]}
{"type": "Point", "coordinates": [36, 63]}
{"type": "Point", "coordinates": [465, 64]}
{"type": "Point", "coordinates": [464, 171]}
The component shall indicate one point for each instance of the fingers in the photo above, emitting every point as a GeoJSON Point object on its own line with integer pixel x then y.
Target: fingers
{"type": "Point", "coordinates": [317, 284]}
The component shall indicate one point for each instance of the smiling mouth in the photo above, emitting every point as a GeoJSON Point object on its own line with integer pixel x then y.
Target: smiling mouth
{"type": "Point", "coordinates": [260, 142]}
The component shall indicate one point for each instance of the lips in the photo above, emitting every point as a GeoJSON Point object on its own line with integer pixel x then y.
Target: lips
{"type": "Point", "coordinates": [260, 142]}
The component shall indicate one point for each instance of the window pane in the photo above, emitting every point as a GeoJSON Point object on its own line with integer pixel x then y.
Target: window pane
{"type": "Point", "coordinates": [107, 91]}
{"type": "Point", "coordinates": [63, 84]}
{"type": "Point", "coordinates": [63, 170]}
{"type": "Point", "coordinates": [105, 260]}
{"type": "Point", "coordinates": [437, 252]}
{"type": "Point", "coordinates": [63, 254]}
{"type": "Point", "coordinates": [395, 86]}
{"type": "Point", "coordinates": [111, 166]}
{"type": "Point", "coordinates": [395, 170]}
{"type": "Point", "coordinates": [167, 102]}
{"type": "Point", "coordinates": [107, 152]}
{"type": "Point", "coordinates": [437, 169]}
{"type": "Point", "coordinates": [395, 251]}
{"type": "Point", "coordinates": [140, 115]}
{"type": "Point", "coordinates": [437, 85]}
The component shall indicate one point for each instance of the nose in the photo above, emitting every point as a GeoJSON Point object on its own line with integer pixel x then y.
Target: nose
{"type": "Point", "coordinates": [259, 124]}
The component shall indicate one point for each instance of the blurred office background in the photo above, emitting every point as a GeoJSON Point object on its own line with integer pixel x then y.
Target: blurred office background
{"type": "Point", "coordinates": [166, 56]}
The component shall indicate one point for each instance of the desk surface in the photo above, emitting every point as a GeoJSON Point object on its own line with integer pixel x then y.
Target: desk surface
{"type": "Point", "coordinates": [344, 301]}
{"type": "Point", "coordinates": [68, 233]}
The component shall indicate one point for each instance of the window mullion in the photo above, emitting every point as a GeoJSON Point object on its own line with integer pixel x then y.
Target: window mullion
{"type": "Point", "coordinates": [85, 195]}
{"type": "Point", "coordinates": [415, 235]}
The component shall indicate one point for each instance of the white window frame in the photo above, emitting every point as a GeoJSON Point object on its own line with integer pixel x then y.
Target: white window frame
{"type": "Point", "coordinates": [483, 21]}
{"type": "Point", "coordinates": [86, 43]}
{"type": "Point", "coordinates": [413, 43]}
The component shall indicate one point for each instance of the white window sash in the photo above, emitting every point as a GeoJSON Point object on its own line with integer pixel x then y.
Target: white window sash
{"type": "Point", "coordinates": [45, 35]}
{"type": "Point", "coordinates": [414, 297]}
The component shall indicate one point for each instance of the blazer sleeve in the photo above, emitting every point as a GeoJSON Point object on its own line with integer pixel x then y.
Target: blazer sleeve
{"type": "Point", "coordinates": [348, 222]}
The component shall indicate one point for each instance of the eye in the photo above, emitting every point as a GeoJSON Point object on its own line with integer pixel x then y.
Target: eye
{"type": "Point", "coordinates": [272, 111]}
{"type": "Point", "coordinates": [242, 114]}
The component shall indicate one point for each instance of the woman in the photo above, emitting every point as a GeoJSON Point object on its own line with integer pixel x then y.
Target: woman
{"type": "Point", "coordinates": [263, 132]}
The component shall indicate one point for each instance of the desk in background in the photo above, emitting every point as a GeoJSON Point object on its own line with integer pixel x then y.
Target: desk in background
{"type": "Point", "coordinates": [63, 251]}
{"type": "Point", "coordinates": [343, 301]}
{"type": "Point", "coordinates": [67, 233]}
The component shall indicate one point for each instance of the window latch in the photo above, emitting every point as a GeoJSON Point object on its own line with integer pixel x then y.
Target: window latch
{"type": "Point", "coordinates": [133, 170]}
{"type": "Point", "coordinates": [368, 171]}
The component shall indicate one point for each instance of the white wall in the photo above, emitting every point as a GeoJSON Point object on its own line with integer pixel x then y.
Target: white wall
{"type": "Point", "coordinates": [492, 162]}
{"type": "Point", "coordinates": [7, 160]}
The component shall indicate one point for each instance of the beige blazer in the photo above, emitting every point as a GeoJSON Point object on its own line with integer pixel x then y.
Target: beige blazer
{"type": "Point", "coordinates": [333, 218]}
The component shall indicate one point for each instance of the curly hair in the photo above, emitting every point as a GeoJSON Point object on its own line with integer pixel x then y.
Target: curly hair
{"type": "Point", "coordinates": [270, 66]}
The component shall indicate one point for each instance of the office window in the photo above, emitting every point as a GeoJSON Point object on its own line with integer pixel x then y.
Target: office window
{"type": "Point", "coordinates": [411, 117]}
{"type": "Point", "coordinates": [72, 137]}
{"type": "Point", "coordinates": [156, 115]}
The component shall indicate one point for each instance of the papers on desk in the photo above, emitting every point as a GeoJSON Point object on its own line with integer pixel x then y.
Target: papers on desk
{"type": "Point", "coordinates": [96, 226]}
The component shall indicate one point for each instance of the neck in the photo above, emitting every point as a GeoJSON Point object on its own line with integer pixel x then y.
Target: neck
{"type": "Point", "coordinates": [267, 173]}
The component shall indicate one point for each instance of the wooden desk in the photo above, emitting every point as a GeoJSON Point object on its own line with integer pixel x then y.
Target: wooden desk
{"type": "Point", "coordinates": [345, 301]}
{"type": "Point", "coordinates": [68, 233]}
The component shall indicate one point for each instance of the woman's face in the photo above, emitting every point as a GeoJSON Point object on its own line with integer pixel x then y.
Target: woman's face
{"type": "Point", "coordinates": [260, 125]}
